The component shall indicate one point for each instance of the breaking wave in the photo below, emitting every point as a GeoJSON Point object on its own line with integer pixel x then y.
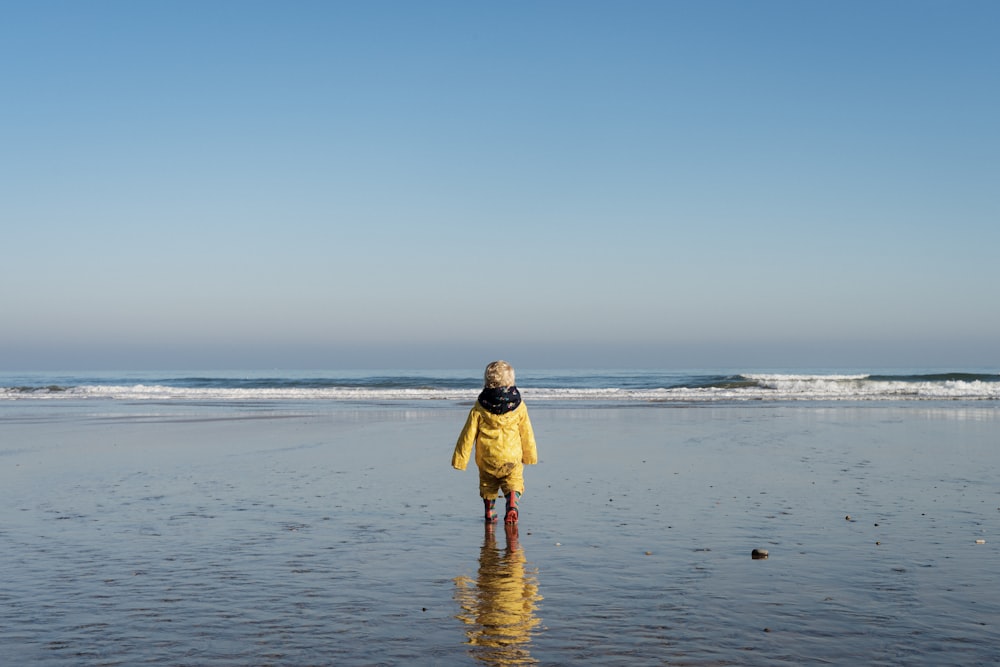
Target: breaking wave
{"type": "Point", "coordinates": [609, 386]}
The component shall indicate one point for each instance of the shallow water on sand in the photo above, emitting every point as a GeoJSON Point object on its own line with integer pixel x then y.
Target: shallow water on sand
{"type": "Point", "coordinates": [214, 535]}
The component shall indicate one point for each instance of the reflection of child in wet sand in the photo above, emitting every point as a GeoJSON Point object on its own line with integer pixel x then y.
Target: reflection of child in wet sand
{"type": "Point", "coordinates": [499, 427]}
{"type": "Point", "coordinates": [499, 605]}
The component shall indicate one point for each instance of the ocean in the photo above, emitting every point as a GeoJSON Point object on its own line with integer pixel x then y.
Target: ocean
{"type": "Point", "coordinates": [608, 386]}
{"type": "Point", "coordinates": [225, 519]}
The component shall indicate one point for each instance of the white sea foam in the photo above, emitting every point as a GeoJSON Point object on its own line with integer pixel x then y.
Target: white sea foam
{"type": "Point", "coordinates": [861, 387]}
{"type": "Point", "coordinates": [763, 387]}
{"type": "Point", "coordinates": [167, 393]}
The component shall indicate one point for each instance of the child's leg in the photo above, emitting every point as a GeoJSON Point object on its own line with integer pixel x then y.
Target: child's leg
{"type": "Point", "coordinates": [512, 514]}
{"type": "Point", "coordinates": [490, 505]}
{"type": "Point", "coordinates": [513, 487]}
{"type": "Point", "coordinates": [489, 486]}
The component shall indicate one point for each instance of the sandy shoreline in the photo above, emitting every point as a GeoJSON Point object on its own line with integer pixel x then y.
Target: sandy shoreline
{"type": "Point", "coordinates": [214, 536]}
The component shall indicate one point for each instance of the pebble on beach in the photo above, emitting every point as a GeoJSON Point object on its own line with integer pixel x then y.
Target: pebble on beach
{"type": "Point", "coordinates": [759, 554]}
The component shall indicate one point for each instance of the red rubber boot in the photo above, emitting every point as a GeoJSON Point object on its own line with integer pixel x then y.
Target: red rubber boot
{"type": "Point", "coordinates": [512, 498]}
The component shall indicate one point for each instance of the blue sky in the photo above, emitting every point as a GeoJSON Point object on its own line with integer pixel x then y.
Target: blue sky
{"type": "Point", "coordinates": [437, 184]}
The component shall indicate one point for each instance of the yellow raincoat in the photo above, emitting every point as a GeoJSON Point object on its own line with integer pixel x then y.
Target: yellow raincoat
{"type": "Point", "coordinates": [503, 443]}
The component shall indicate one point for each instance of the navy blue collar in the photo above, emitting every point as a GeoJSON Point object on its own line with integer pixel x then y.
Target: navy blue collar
{"type": "Point", "coordinates": [500, 400]}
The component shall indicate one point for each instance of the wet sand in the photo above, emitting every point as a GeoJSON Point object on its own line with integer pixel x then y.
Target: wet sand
{"type": "Point", "coordinates": [148, 534]}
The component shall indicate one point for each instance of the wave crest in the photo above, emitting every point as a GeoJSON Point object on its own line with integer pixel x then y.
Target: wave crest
{"type": "Point", "coordinates": [611, 387]}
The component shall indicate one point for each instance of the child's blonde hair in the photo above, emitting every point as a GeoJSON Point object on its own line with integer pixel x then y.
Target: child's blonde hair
{"type": "Point", "coordinates": [498, 374]}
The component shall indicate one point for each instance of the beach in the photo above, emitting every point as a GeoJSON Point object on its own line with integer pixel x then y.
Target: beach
{"type": "Point", "coordinates": [333, 533]}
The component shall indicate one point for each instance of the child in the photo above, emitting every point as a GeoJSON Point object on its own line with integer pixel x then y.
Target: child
{"type": "Point", "coordinates": [499, 427]}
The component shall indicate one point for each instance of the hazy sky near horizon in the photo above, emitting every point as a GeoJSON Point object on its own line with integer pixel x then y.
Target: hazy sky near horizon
{"type": "Point", "coordinates": [243, 184]}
